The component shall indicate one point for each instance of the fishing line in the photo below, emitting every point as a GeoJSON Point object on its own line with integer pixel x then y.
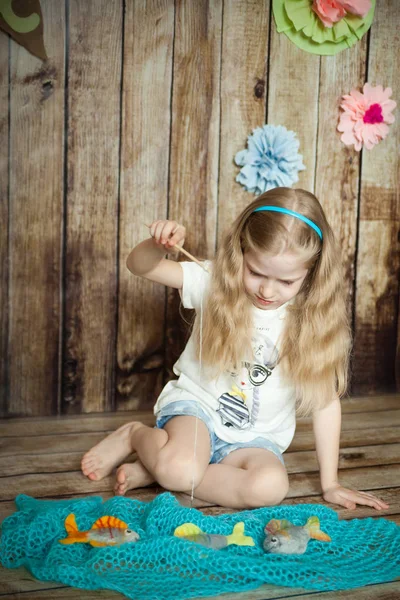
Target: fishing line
{"type": "Point", "coordinates": [197, 403]}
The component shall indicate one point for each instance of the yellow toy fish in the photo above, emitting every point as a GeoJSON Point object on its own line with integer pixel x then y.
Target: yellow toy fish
{"type": "Point", "coordinates": [106, 531]}
{"type": "Point", "coordinates": [192, 533]}
{"type": "Point", "coordinates": [282, 537]}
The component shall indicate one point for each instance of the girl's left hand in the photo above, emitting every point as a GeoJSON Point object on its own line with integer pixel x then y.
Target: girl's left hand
{"type": "Point", "coordinates": [350, 498]}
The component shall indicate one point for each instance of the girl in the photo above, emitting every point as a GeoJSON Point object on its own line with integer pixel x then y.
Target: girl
{"type": "Point", "coordinates": [271, 335]}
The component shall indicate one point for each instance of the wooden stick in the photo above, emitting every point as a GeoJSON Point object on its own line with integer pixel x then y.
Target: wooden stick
{"type": "Point", "coordinates": [186, 253]}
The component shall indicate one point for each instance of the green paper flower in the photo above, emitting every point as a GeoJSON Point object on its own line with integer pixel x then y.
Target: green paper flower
{"type": "Point", "coordinates": [297, 20]}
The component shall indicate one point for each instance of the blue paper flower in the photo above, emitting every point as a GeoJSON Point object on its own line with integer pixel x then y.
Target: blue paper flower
{"type": "Point", "coordinates": [271, 160]}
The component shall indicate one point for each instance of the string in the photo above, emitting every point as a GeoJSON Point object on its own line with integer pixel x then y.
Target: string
{"type": "Point", "coordinates": [197, 403]}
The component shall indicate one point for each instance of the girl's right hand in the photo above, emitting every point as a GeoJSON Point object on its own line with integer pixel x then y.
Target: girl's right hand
{"type": "Point", "coordinates": [168, 234]}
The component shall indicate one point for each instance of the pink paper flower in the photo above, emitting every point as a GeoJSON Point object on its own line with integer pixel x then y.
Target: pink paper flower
{"type": "Point", "coordinates": [332, 11]}
{"type": "Point", "coordinates": [366, 116]}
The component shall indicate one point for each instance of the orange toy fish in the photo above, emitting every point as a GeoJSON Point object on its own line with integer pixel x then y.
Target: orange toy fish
{"type": "Point", "coordinates": [107, 531]}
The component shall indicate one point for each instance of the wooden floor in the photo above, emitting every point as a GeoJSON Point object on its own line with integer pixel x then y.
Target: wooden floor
{"type": "Point", "coordinates": [41, 457]}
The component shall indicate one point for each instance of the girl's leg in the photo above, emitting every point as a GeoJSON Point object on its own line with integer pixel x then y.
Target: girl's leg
{"type": "Point", "coordinates": [166, 454]}
{"type": "Point", "coordinates": [169, 454]}
{"type": "Point", "coordinates": [246, 478]}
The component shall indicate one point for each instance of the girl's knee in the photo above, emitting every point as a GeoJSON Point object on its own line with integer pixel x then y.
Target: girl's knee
{"type": "Point", "coordinates": [266, 487]}
{"type": "Point", "coordinates": [177, 472]}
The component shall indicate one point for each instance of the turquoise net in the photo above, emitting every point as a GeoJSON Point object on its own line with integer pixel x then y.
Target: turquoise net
{"type": "Point", "coordinates": [362, 551]}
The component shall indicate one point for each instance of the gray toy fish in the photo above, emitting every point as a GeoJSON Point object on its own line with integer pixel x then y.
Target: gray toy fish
{"type": "Point", "coordinates": [282, 537]}
{"type": "Point", "coordinates": [192, 533]}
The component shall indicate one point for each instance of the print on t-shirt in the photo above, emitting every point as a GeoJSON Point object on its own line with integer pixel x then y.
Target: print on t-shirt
{"type": "Point", "coordinates": [240, 406]}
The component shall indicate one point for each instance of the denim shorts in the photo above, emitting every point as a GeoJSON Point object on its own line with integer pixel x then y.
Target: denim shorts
{"type": "Point", "coordinates": [219, 448]}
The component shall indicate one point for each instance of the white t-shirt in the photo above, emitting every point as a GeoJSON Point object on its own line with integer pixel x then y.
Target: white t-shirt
{"type": "Point", "coordinates": [244, 405]}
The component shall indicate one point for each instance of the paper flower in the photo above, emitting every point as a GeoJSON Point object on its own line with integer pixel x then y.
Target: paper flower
{"type": "Point", "coordinates": [332, 11]}
{"type": "Point", "coordinates": [366, 116]}
{"type": "Point", "coordinates": [298, 20]}
{"type": "Point", "coordinates": [271, 159]}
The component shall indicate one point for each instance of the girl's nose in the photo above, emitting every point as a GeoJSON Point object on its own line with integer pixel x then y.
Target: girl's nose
{"type": "Point", "coordinates": [267, 290]}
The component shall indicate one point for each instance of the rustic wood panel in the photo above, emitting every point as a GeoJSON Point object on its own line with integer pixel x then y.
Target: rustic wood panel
{"type": "Point", "coordinates": [376, 306]}
{"type": "Point", "coordinates": [337, 166]}
{"type": "Point", "coordinates": [4, 215]}
{"type": "Point", "coordinates": [390, 495]}
{"type": "Point", "coordinates": [374, 478]}
{"type": "Point", "coordinates": [355, 470]}
{"type": "Point", "coordinates": [386, 591]}
{"type": "Point", "coordinates": [77, 442]}
{"type": "Point", "coordinates": [362, 437]}
{"type": "Point", "coordinates": [102, 422]}
{"type": "Point", "coordinates": [194, 143]}
{"type": "Point", "coordinates": [49, 444]}
{"type": "Point", "coordinates": [244, 76]}
{"type": "Point", "coordinates": [54, 461]}
{"type": "Point", "coordinates": [94, 81]}
{"type": "Point", "coordinates": [72, 424]}
{"type": "Point", "coordinates": [397, 359]}
{"type": "Point", "coordinates": [349, 457]}
{"type": "Point", "coordinates": [293, 89]}
{"type": "Point", "coordinates": [370, 403]}
{"type": "Point", "coordinates": [59, 462]}
{"type": "Point", "coordinates": [378, 261]}
{"type": "Point", "coordinates": [19, 437]}
{"type": "Point", "coordinates": [18, 581]}
{"type": "Point", "coordinates": [36, 198]}
{"type": "Point", "coordinates": [16, 589]}
{"type": "Point", "coordinates": [147, 80]}
{"type": "Point", "coordinates": [352, 422]}
{"type": "Point", "coordinates": [40, 485]}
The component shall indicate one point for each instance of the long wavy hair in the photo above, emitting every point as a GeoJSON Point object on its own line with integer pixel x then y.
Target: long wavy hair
{"type": "Point", "coordinates": [316, 341]}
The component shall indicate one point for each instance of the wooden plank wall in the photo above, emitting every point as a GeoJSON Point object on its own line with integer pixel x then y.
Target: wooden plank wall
{"type": "Point", "coordinates": [137, 115]}
{"type": "Point", "coordinates": [4, 235]}
{"type": "Point", "coordinates": [378, 261]}
{"type": "Point", "coordinates": [35, 223]}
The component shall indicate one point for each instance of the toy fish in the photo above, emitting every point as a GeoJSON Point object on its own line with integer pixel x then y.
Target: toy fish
{"type": "Point", "coordinates": [106, 531]}
{"type": "Point", "coordinates": [282, 537]}
{"type": "Point", "coordinates": [191, 532]}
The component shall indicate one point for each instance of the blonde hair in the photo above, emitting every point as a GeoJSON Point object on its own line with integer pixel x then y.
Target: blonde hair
{"type": "Point", "coordinates": [314, 355]}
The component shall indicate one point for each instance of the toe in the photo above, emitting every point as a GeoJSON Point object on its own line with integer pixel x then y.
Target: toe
{"type": "Point", "coordinates": [88, 464]}
{"type": "Point", "coordinates": [87, 457]}
{"type": "Point", "coordinates": [86, 469]}
{"type": "Point", "coordinates": [121, 476]}
{"type": "Point", "coordinates": [119, 490]}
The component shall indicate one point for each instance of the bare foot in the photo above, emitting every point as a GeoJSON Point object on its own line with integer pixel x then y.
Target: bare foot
{"type": "Point", "coordinates": [100, 460]}
{"type": "Point", "coordinates": [131, 476]}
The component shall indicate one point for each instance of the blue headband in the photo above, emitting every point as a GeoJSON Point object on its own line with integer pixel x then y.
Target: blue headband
{"type": "Point", "coordinates": [292, 214]}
